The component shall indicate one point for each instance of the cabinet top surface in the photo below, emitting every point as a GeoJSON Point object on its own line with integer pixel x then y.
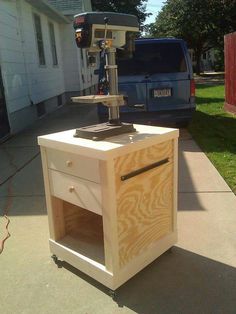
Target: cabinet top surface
{"type": "Point", "coordinates": [144, 136]}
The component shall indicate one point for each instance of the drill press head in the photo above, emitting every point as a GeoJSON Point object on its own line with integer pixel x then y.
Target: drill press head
{"type": "Point", "coordinates": [117, 29]}
{"type": "Point", "coordinates": [104, 32]}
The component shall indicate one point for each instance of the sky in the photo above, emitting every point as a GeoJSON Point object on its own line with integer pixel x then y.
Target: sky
{"type": "Point", "coordinates": [153, 6]}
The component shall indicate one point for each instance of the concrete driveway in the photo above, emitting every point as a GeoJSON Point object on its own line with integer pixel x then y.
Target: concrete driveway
{"type": "Point", "coordinates": [197, 276]}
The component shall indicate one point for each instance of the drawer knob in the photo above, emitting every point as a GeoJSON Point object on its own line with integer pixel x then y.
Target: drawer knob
{"type": "Point", "coordinates": [71, 189]}
{"type": "Point", "coordinates": [69, 163]}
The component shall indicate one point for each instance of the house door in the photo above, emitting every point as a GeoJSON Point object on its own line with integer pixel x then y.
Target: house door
{"type": "Point", "coordinates": [4, 123]}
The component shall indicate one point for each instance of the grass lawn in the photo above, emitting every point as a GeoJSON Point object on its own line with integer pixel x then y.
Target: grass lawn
{"type": "Point", "coordinates": [215, 131]}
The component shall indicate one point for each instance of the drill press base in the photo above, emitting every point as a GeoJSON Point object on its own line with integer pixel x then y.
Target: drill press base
{"type": "Point", "coordinates": [99, 132]}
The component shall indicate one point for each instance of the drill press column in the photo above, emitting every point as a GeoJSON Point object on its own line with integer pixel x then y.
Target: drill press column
{"type": "Point", "coordinates": [111, 67]}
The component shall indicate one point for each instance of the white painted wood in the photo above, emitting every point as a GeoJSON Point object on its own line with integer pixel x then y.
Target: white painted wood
{"type": "Point", "coordinates": [80, 166]}
{"type": "Point", "coordinates": [100, 273]}
{"type": "Point", "coordinates": [90, 248]}
{"type": "Point", "coordinates": [111, 147]}
{"type": "Point", "coordinates": [54, 231]}
{"type": "Point", "coordinates": [81, 262]}
{"type": "Point", "coordinates": [109, 215]}
{"type": "Point", "coordinates": [77, 191]}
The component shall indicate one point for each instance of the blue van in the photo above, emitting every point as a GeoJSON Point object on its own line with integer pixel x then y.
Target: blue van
{"type": "Point", "coordinates": [157, 79]}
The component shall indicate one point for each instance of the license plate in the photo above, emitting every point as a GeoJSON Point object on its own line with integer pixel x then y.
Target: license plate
{"type": "Point", "coordinates": [163, 92]}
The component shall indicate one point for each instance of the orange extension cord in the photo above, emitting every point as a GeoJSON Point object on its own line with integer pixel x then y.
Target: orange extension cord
{"type": "Point", "coordinates": [5, 215]}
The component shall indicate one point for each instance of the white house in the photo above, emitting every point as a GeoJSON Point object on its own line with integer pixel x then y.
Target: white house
{"type": "Point", "coordinates": [74, 59]}
{"type": "Point", "coordinates": [40, 65]}
{"type": "Point", "coordinates": [208, 60]}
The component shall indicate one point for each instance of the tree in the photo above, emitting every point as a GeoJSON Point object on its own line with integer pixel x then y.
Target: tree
{"type": "Point", "coordinates": [135, 7]}
{"type": "Point", "coordinates": [202, 24]}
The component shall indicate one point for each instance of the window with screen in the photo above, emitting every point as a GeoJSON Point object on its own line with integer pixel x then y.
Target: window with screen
{"type": "Point", "coordinates": [53, 44]}
{"type": "Point", "coordinates": [39, 39]}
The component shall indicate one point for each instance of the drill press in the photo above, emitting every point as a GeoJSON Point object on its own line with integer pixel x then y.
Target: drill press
{"type": "Point", "coordinates": [104, 32]}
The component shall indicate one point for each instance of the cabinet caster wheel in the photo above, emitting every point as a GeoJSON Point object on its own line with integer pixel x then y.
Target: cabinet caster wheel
{"type": "Point", "coordinates": [54, 258]}
{"type": "Point", "coordinates": [112, 294]}
{"type": "Point", "coordinates": [56, 261]}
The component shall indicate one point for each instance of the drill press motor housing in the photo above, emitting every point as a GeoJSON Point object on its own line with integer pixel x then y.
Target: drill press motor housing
{"type": "Point", "coordinates": [92, 27]}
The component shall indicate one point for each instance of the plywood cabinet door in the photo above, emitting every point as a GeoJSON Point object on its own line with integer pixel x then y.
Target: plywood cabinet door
{"type": "Point", "coordinates": [144, 201]}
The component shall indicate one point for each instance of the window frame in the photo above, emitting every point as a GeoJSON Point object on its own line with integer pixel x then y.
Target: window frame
{"type": "Point", "coordinates": [53, 43]}
{"type": "Point", "coordinates": [39, 40]}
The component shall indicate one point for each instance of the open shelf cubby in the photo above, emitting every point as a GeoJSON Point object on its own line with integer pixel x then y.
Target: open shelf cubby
{"type": "Point", "coordinates": [83, 232]}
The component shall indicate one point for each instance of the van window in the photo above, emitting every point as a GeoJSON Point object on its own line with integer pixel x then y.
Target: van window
{"type": "Point", "coordinates": [152, 58]}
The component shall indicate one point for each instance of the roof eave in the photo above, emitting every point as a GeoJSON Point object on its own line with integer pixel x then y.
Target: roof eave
{"type": "Point", "coordinates": [50, 11]}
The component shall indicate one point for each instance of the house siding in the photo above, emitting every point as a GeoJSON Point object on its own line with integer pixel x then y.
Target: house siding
{"type": "Point", "coordinates": [79, 76]}
{"type": "Point", "coordinates": [71, 7]}
{"type": "Point", "coordinates": [12, 58]}
{"type": "Point", "coordinates": [26, 82]}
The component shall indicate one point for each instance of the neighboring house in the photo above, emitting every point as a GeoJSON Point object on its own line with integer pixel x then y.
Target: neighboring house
{"type": "Point", "coordinates": [207, 60]}
{"type": "Point", "coordinates": [40, 65]}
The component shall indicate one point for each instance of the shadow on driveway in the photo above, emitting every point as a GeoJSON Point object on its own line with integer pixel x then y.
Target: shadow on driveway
{"type": "Point", "coordinates": [177, 282]}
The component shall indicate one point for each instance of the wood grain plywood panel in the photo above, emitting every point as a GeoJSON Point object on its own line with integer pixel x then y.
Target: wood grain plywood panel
{"type": "Point", "coordinates": [144, 202]}
{"type": "Point", "coordinates": [142, 158]}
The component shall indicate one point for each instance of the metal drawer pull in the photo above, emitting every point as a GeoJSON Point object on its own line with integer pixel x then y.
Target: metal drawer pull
{"type": "Point", "coordinates": [141, 170]}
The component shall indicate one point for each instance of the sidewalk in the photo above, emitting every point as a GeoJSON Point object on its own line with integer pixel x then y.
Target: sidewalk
{"type": "Point", "coordinates": [210, 78]}
{"type": "Point", "coordinates": [197, 276]}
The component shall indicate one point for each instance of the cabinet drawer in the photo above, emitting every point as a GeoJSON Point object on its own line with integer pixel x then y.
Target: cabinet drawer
{"type": "Point", "coordinates": [80, 166]}
{"type": "Point", "coordinates": [83, 193]}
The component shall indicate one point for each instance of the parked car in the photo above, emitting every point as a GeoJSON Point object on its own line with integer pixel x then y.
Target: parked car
{"type": "Point", "coordinates": [158, 80]}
